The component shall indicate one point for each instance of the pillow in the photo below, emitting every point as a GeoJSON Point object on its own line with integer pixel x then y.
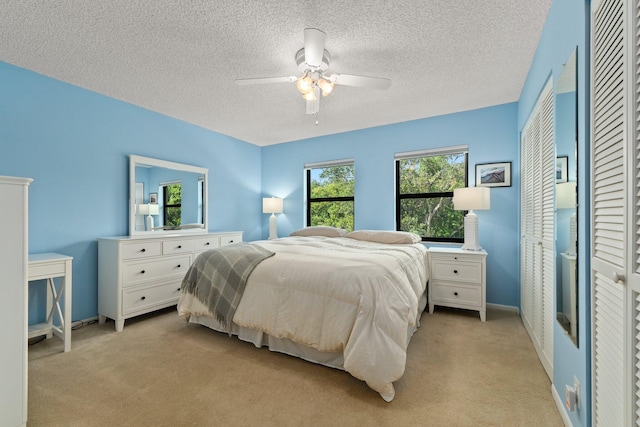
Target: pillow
{"type": "Point", "coordinates": [320, 230]}
{"type": "Point", "coordinates": [389, 237]}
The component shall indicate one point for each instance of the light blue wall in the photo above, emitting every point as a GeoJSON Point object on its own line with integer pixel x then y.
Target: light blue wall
{"type": "Point", "coordinates": [491, 136]}
{"type": "Point", "coordinates": [75, 145]}
{"type": "Point", "coordinates": [566, 27]}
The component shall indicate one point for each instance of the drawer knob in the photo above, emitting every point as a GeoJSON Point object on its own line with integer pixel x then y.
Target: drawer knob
{"type": "Point", "coordinates": [455, 293]}
{"type": "Point", "coordinates": [178, 265]}
{"type": "Point", "coordinates": [143, 298]}
{"type": "Point", "coordinates": [178, 289]}
{"type": "Point", "coordinates": [455, 271]}
{"type": "Point", "coordinates": [230, 241]}
{"type": "Point", "coordinates": [206, 244]}
{"type": "Point", "coordinates": [142, 272]}
{"type": "Point", "coordinates": [455, 257]}
{"type": "Point", "coordinates": [143, 250]}
{"type": "Point", "coordinates": [179, 246]}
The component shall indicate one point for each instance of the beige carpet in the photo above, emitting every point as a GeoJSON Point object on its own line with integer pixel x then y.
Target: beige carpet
{"type": "Point", "coordinates": [161, 371]}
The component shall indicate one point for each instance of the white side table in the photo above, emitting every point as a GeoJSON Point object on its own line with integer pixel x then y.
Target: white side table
{"type": "Point", "coordinates": [458, 279]}
{"type": "Point", "coordinates": [49, 266]}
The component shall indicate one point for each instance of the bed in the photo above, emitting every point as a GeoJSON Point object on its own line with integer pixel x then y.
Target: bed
{"type": "Point", "coordinates": [349, 302]}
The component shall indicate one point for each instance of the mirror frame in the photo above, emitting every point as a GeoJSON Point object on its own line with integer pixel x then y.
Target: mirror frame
{"type": "Point", "coordinates": [134, 161]}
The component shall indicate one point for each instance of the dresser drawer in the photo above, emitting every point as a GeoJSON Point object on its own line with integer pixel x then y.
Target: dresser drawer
{"type": "Point", "coordinates": [230, 238]}
{"type": "Point", "coordinates": [458, 271]}
{"type": "Point", "coordinates": [141, 250]}
{"type": "Point", "coordinates": [205, 243]}
{"type": "Point", "coordinates": [170, 247]}
{"type": "Point", "coordinates": [137, 271]}
{"type": "Point", "coordinates": [142, 298]}
{"type": "Point", "coordinates": [468, 295]}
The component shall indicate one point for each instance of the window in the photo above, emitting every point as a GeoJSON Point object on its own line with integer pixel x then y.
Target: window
{"type": "Point", "coordinates": [330, 194]}
{"type": "Point", "coordinates": [201, 212]}
{"type": "Point", "coordinates": [172, 203]}
{"type": "Point", "coordinates": [424, 193]}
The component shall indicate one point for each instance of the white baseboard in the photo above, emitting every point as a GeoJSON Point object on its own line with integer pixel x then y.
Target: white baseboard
{"type": "Point", "coordinates": [503, 307]}
{"type": "Point", "coordinates": [561, 408]}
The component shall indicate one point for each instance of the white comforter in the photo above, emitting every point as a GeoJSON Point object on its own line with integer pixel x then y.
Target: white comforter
{"type": "Point", "coordinates": [338, 294]}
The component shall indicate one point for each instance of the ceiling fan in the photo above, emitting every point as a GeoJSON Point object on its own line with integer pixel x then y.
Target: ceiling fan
{"type": "Point", "coordinates": [313, 61]}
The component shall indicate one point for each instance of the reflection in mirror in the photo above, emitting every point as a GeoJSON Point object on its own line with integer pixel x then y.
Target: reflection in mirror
{"type": "Point", "coordinates": [166, 196]}
{"type": "Point", "coordinates": [566, 104]}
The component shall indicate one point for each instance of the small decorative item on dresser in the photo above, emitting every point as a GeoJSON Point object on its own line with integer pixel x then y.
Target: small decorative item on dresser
{"type": "Point", "coordinates": [458, 279]}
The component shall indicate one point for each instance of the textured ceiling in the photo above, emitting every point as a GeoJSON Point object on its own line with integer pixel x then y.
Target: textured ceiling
{"type": "Point", "coordinates": [180, 58]}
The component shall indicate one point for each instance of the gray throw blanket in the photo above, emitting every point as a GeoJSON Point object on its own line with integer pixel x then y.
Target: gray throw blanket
{"type": "Point", "coordinates": [218, 277]}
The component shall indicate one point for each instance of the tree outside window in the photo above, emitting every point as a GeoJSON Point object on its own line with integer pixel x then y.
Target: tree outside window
{"type": "Point", "coordinates": [424, 202]}
{"type": "Point", "coordinates": [330, 196]}
{"type": "Point", "coordinates": [172, 197]}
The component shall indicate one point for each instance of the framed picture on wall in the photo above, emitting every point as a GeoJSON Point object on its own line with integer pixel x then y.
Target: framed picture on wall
{"type": "Point", "coordinates": [493, 174]}
{"type": "Point", "coordinates": [153, 198]}
{"type": "Point", "coordinates": [562, 166]}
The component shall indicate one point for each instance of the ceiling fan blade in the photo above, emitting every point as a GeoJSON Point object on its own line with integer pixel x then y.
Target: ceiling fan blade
{"type": "Point", "coordinates": [313, 46]}
{"type": "Point", "coordinates": [261, 80]}
{"type": "Point", "coordinates": [361, 81]}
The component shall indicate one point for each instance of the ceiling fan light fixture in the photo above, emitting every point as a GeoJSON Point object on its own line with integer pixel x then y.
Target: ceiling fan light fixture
{"type": "Point", "coordinates": [305, 84]}
{"type": "Point", "coordinates": [310, 96]}
{"type": "Point", "coordinates": [325, 86]}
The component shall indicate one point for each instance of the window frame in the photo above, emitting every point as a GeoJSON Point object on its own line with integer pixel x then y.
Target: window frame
{"type": "Point", "coordinates": [309, 199]}
{"type": "Point", "coordinates": [399, 196]}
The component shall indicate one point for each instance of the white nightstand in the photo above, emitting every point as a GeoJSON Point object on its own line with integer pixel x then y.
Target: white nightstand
{"type": "Point", "coordinates": [458, 279]}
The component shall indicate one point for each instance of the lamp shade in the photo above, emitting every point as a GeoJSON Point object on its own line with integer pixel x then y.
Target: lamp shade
{"type": "Point", "coordinates": [471, 198]}
{"type": "Point", "coordinates": [142, 209]}
{"type": "Point", "coordinates": [566, 195]}
{"type": "Point", "coordinates": [272, 205]}
{"type": "Point", "coordinates": [148, 209]}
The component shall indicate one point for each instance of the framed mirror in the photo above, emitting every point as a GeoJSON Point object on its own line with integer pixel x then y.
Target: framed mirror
{"type": "Point", "coordinates": [566, 249]}
{"type": "Point", "coordinates": [166, 196]}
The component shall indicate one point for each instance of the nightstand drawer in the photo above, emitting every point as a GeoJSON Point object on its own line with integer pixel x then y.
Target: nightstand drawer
{"type": "Point", "coordinates": [141, 298]}
{"type": "Point", "coordinates": [468, 295]}
{"type": "Point", "coordinates": [135, 272]}
{"type": "Point", "coordinates": [458, 271]}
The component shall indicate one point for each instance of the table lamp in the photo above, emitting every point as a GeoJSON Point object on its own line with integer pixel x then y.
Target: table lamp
{"type": "Point", "coordinates": [148, 210]}
{"type": "Point", "coordinates": [470, 199]}
{"type": "Point", "coordinates": [272, 205]}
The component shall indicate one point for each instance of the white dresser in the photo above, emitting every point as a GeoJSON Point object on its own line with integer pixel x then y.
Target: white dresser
{"type": "Point", "coordinates": [13, 304]}
{"type": "Point", "coordinates": [137, 275]}
{"type": "Point", "coordinates": [458, 279]}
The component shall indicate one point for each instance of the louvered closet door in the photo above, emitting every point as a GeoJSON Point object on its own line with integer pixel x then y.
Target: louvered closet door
{"type": "Point", "coordinates": [547, 237]}
{"type": "Point", "coordinates": [633, 350]}
{"type": "Point", "coordinates": [537, 225]}
{"type": "Point", "coordinates": [610, 90]}
{"type": "Point", "coordinates": [527, 242]}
